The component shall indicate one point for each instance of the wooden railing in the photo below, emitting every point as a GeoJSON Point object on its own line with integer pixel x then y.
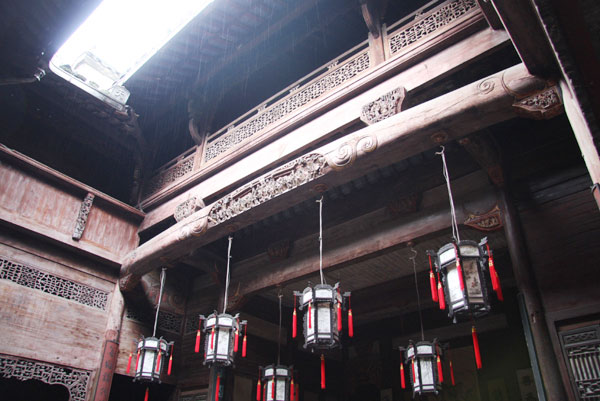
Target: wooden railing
{"type": "Point", "coordinates": [431, 19]}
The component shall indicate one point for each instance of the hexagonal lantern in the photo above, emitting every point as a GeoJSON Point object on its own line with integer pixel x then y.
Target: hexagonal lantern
{"type": "Point", "coordinates": [151, 354]}
{"type": "Point", "coordinates": [221, 338]}
{"type": "Point", "coordinates": [277, 381]}
{"type": "Point", "coordinates": [424, 372]}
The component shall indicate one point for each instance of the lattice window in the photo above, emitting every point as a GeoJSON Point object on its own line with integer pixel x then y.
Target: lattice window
{"type": "Point", "coordinates": [192, 323]}
{"type": "Point", "coordinates": [298, 98]}
{"type": "Point", "coordinates": [581, 348]}
{"type": "Point", "coordinates": [75, 380]}
{"type": "Point", "coordinates": [167, 321]}
{"type": "Point", "coordinates": [430, 23]}
{"type": "Point", "coordinates": [33, 278]}
{"type": "Point", "coordinates": [170, 175]}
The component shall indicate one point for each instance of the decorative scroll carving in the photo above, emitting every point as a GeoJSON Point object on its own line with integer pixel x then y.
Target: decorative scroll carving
{"type": "Point", "coordinates": [84, 210]}
{"type": "Point", "coordinates": [405, 204]}
{"type": "Point", "coordinates": [283, 179]}
{"type": "Point", "coordinates": [347, 152]}
{"type": "Point", "coordinates": [170, 175]}
{"type": "Point", "coordinates": [430, 23]}
{"type": "Point", "coordinates": [75, 380]}
{"type": "Point", "coordinates": [540, 106]}
{"type": "Point", "coordinates": [333, 78]}
{"type": "Point", "coordinates": [279, 250]}
{"type": "Point", "coordinates": [194, 228]}
{"type": "Point", "coordinates": [167, 321]}
{"type": "Point", "coordinates": [188, 208]}
{"type": "Point", "coordinates": [384, 107]}
{"type": "Point", "coordinates": [51, 284]}
{"type": "Point", "coordinates": [489, 221]}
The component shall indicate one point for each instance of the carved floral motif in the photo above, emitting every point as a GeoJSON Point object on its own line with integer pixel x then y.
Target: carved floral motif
{"type": "Point", "coordinates": [489, 221]}
{"type": "Point", "coordinates": [542, 105]}
{"type": "Point", "coordinates": [384, 107]}
{"type": "Point", "coordinates": [283, 179]}
{"type": "Point", "coordinates": [81, 221]}
{"type": "Point", "coordinates": [75, 380]}
{"type": "Point", "coordinates": [187, 208]}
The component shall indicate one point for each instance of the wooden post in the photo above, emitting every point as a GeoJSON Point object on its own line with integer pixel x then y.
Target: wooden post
{"type": "Point", "coordinates": [110, 350]}
{"type": "Point", "coordinates": [217, 374]}
{"type": "Point", "coordinates": [526, 284]}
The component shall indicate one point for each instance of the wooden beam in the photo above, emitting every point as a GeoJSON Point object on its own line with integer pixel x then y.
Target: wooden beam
{"type": "Point", "coordinates": [483, 150]}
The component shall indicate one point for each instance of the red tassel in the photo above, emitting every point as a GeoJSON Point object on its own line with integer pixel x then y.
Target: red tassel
{"type": "Point", "coordinates": [217, 389]}
{"type": "Point", "coordinates": [476, 347]}
{"type": "Point", "coordinates": [440, 371]}
{"type": "Point", "coordinates": [432, 283]}
{"type": "Point", "coordinates": [499, 289]}
{"type": "Point", "coordinates": [413, 371]}
{"type": "Point", "coordinates": [258, 390]}
{"type": "Point", "coordinates": [265, 392]}
{"type": "Point", "coordinates": [309, 315]}
{"type": "Point", "coordinates": [212, 338]}
{"type": "Point", "coordinates": [297, 397]}
{"type": "Point", "coordinates": [273, 390]}
{"type": "Point", "coordinates": [147, 394]}
{"type": "Point", "coordinates": [350, 324]}
{"type": "Point", "coordinates": [441, 296]}
{"type": "Point", "coordinates": [170, 365]}
{"type": "Point", "coordinates": [129, 363]}
{"type": "Point", "coordinates": [452, 374]}
{"type": "Point", "coordinates": [197, 347]}
{"type": "Point", "coordinates": [402, 380]}
{"type": "Point", "coordinates": [459, 269]}
{"type": "Point", "coordinates": [244, 347]}
{"type": "Point", "coordinates": [339, 317]}
{"type": "Point", "coordinates": [294, 324]}
{"type": "Point", "coordinates": [292, 390]}
{"type": "Point", "coordinates": [493, 275]}
{"type": "Point", "coordinates": [158, 362]}
{"type": "Point", "coordinates": [322, 372]}
{"type": "Point", "coordinates": [137, 360]}
{"type": "Point", "coordinates": [237, 340]}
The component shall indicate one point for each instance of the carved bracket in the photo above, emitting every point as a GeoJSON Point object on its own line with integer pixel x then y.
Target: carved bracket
{"type": "Point", "coordinates": [542, 105]}
{"type": "Point", "coordinates": [488, 221]}
{"type": "Point", "coordinates": [347, 152]}
{"type": "Point", "coordinates": [404, 205]}
{"type": "Point", "coordinates": [383, 107]}
{"type": "Point", "coordinates": [84, 210]}
{"type": "Point", "coordinates": [187, 208]}
{"type": "Point", "coordinates": [279, 250]}
{"type": "Point", "coordinates": [75, 380]}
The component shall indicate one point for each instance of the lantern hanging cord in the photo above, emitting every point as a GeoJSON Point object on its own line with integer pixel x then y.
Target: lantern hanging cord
{"type": "Point", "coordinates": [417, 288]}
{"type": "Point", "coordinates": [163, 274]}
{"type": "Point", "coordinates": [227, 274]}
{"type": "Point", "coordinates": [321, 239]}
{"type": "Point", "coordinates": [455, 234]}
{"type": "Point", "coordinates": [279, 332]}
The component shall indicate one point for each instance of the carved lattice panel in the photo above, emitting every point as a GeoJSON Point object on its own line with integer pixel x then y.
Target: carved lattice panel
{"type": "Point", "coordinates": [170, 175]}
{"type": "Point", "coordinates": [167, 321]}
{"type": "Point", "coordinates": [429, 24]}
{"type": "Point", "coordinates": [581, 348]}
{"type": "Point", "coordinates": [33, 278]}
{"type": "Point", "coordinates": [75, 380]}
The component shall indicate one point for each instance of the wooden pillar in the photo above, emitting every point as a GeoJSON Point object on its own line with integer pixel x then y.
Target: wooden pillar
{"type": "Point", "coordinates": [217, 374]}
{"type": "Point", "coordinates": [526, 284]}
{"type": "Point", "coordinates": [584, 137]}
{"type": "Point", "coordinates": [110, 350]}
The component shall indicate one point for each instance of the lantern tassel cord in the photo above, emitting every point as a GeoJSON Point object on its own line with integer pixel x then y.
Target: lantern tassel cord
{"type": "Point", "coordinates": [163, 274]}
{"type": "Point", "coordinates": [227, 274]}
{"type": "Point", "coordinates": [476, 347]}
{"type": "Point", "coordinates": [147, 394]}
{"type": "Point", "coordinates": [417, 289]}
{"type": "Point", "coordinates": [321, 239]}
{"type": "Point", "coordinates": [217, 387]}
{"type": "Point", "coordinates": [322, 372]}
{"type": "Point", "coordinates": [402, 379]}
{"type": "Point", "coordinates": [455, 234]}
{"type": "Point", "coordinates": [294, 321]}
{"type": "Point", "coordinates": [129, 363]}
{"type": "Point", "coordinates": [432, 282]}
{"type": "Point", "coordinates": [279, 333]}
{"type": "Point", "coordinates": [244, 343]}
{"type": "Point", "coordinates": [452, 374]}
{"type": "Point", "coordinates": [350, 318]}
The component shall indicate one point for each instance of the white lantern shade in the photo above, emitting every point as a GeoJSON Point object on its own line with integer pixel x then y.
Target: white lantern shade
{"type": "Point", "coordinates": [322, 332]}
{"type": "Point", "coordinates": [152, 352]}
{"type": "Point", "coordinates": [282, 376]}
{"type": "Point", "coordinates": [424, 376]}
{"type": "Point", "coordinates": [219, 346]}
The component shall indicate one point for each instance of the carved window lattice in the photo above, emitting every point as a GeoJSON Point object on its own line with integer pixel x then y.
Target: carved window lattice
{"type": "Point", "coordinates": [430, 23]}
{"type": "Point", "coordinates": [51, 284]}
{"type": "Point", "coordinates": [191, 324]}
{"type": "Point", "coordinates": [298, 98]}
{"type": "Point", "coordinates": [581, 348]}
{"type": "Point", "coordinates": [170, 175]}
{"type": "Point", "coordinates": [75, 380]}
{"type": "Point", "coordinates": [167, 321]}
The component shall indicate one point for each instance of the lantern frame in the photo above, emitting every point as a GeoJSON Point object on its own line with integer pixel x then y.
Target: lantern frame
{"type": "Point", "coordinates": [323, 298]}
{"type": "Point", "coordinates": [424, 354]}
{"type": "Point", "coordinates": [474, 300]}
{"type": "Point", "coordinates": [225, 326]}
{"type": "Point", "coordinates": [282, 375]}
{"type": "Point", "coordinates": [148, 367]}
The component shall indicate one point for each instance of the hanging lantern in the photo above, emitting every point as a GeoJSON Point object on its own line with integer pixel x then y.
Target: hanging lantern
{"type": "Point", "coordinates": [424, 371]}
{"type": "Point", "coordinates": [276, 380]}
{"type": "Point", "coordinates": [462, 269]}
{"type": "Point", "coordinates": [152, 352]}
{"type": "Point", "coordinates": [220, 332]}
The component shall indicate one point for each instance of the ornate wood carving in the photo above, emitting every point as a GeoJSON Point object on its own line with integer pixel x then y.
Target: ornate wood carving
{"type": "Point", "coordinates": [279, 250]}
{"type": "Point", "coordinates": [75, 380]}
{"type": "Point", "coordinates": [169, 175]}
{"type": "Point", "coordinates": [188, 208]}
{"type": "Point", "coordinates": [542, 105]}
{"type": "Point", "coordinates": [405, 204]}
{"type": "Point", "coordinates": [194, 228]}
{"type": "Point", "coordinates": [84, 210]}
{"type": "Point", "coordinates": [489, 221]}
{"type": "Point", "coordinates": [283, 179]}
{"type": "Point", "coordinates": [384, 107]}
{"type": "Point", "coordinates": [347, 152]}
{"type": "Point", "coordinates": [50, 284]}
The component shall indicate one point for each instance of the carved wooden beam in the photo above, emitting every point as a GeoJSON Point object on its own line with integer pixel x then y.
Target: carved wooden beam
{"type": "Point", "coordinates": [470, 108]}
{"type": "Point", "coordinates": [483, 150]}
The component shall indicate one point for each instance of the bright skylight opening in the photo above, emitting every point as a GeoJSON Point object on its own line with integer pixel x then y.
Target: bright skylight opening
{"type": "Point", "coordinates": [117, 39]}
